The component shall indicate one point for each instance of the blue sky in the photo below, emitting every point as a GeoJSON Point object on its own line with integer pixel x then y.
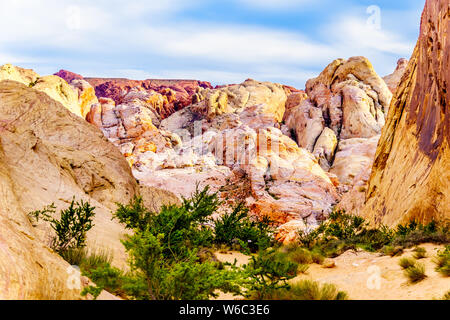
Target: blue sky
{"type": "Point", "coordinates": [227, 41]}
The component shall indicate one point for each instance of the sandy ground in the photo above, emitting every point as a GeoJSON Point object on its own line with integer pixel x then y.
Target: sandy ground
{"type": "Point", "coordinates": [370, 276]}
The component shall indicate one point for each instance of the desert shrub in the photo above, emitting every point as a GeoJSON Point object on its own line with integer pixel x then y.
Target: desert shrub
{"type": "Point", "coordinates": [301, 256]}
{"type": "Point", "coordinates": [420, 253]}
{"type": "Point", "coordinates": [74, 256]}
{"type": "Point", "coordinates": [236, 226]}
{"type": "Point", "coordinates": [416, 273]}
{"type": "Point", "coordinates": [308, 290]}
{"type": "Point", "coordinates": [106, 278]}
{"type": "Point", "coordinates": [392, 251]}
{"type": "Point", "coordinates": [343, 232]}
{"type": "Point", "coordinates": [71, 227]}
{"type": "Point", "coordinates": [414, 233]}
{"type": "Point", "coordinates": [163, 251]}
{"type": "Point", "coordinates": [317, 256]}
{"type": "Point", "coordinates": [442, 261]}
{"type": "Point", "coordinates": [266, 272]}
{"type": "Point", "coordinates": [406, 263]}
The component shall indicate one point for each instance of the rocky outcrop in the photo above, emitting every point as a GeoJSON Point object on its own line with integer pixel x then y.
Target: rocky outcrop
{"type": "Point", "coordinates": [55, 87]}
{"type": "Point", "coordinates": [68, 76]}
{"type": "Point", "coordinates": [344, 106]}
{"type": "Point", "coordinates": [233, 99]}
{"type": "Point", "coordinates": [49, 155]}
{"type": "Point", "coordinates": [129, 126]}
{"type": "Point", "coordinates": [394, 78]}
{"type": "Point", "coordinates": [411, 174]}
{"type": "Point", "coordinates": [233, 133]}
{"type": "Point", "coordinates": [178, 92]}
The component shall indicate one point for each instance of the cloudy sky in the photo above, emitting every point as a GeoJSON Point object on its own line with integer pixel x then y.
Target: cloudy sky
{"type": "Point", "coordinates": [222, 41]}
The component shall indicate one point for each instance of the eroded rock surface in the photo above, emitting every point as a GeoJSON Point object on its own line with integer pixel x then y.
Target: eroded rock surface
{"type": "Point", "coordinates": [49, 155]}
{"type": "Point", "coordinates": [411, 174]}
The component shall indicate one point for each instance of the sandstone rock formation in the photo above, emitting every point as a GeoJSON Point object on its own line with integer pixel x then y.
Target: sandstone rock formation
{"type": "Point", "coordinates": [233, 133]}
{"type": "Point", "coordinates": [411, 174]}
{"type": "Point", "coordinates": [347, 101]}
{"type": "Point", "coordinates": [394, 78]}
{"type": "Point", "coordinates": [234, 99]}
{"type": "Point", "coordinates": [53, 86]}
{"type": "Point", "coordinates": [178, 93]}
{"type": "Point", "coordinates": [49, 155]}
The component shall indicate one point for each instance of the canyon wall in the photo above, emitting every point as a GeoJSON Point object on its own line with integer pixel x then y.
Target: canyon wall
{"type": "Point", "coordinates": [411, 174]}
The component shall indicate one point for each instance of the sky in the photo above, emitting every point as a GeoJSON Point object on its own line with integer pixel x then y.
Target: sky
{"type": "Point", "coordinates": [221, 41]}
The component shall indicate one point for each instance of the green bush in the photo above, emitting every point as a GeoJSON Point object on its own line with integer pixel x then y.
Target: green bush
{"type": "Point", "coordinates": [163, 251]}
{"type": "Point", "coordinates": [268, 271]}
{"type": "Point", "coordinates": [392, 251]}
{"type": "Point", "coordinates": [414, 233]}
{"type": "Point", "coordinates": [236, 227]}
{"type": "Point", "coordinates": [72, 226]}
{"type": "Point", "coordinates": [342, 232]}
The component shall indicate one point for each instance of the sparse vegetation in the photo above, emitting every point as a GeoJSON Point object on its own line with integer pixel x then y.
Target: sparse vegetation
{"type": "Point", "coordinates": [446, 296]}
{"type": "Point", "coordinates": [420, 253]}
{"type": "Point", "coordinates": [308, 290]}
{"type": "Point", "coordinates": [442, 261]}
{"type": "Point", "coordinates": [342, 232]}
{"type": "Point", "coordinates": [416, 273]}
{"type": "Point", "coordinates": [406, 263]}
{"type": "Point", "coordinates": [71, 228]}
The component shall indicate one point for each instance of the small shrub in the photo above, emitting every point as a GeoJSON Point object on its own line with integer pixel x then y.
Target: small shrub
{"type": "Point", "coordinates": [74, 256]}
{"type": "Point", "coordinates": [442, 261]}
{"type": "Point", "coordinates": [72, 226]}
{"type": "Point", "coordinates": [267, 272]}
{"type": "Point", "coordinates": [308, 290]}
{"type": "Point", "coordinates": [420, 253]}
{"type": "Point", "coordinates": [392, 251]}
{"type": "Point", "coordinates": [406, 263]}
{"type": "Point", "coordinates": [237, 228]}
{"type": "Point", "coordinates": [317, 257]}
{"type": "Point", "coordinates": [416, 273]}
{"type": "Point", "coordinates": [301, 256]}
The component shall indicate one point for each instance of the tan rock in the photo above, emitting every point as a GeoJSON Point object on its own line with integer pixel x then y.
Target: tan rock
{"type": "Point", "coordinates": [49, 155]}
{"type": "Point", "coordinates": [411, 174]}
{"type": "Point", "coordinates": [234, 98]}
{"type": "Point", "coordinates": [86, 95]}
{"type": "Point", "coordinates": [353, 157]}
{"type": "Point", "coordinates": [325, 148]}
{"type": "Point", "coordinates": [394, 78]}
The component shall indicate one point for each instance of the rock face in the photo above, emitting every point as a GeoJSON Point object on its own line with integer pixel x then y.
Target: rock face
{"type": "Point", "coordinates": [340, 118]}
{"type": "Point", "coordinates": [233, 134]}
{"type": "Point", "coordinates": [393, 79]}
{"type": "Point", "coordinates": [55, 87]}
{"type": "Point", "coordinates": [49, 155]}
{"type": "Point", "coordinates": [234, 99]}
{"type": "Point", "coordinates": [411, 174]}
